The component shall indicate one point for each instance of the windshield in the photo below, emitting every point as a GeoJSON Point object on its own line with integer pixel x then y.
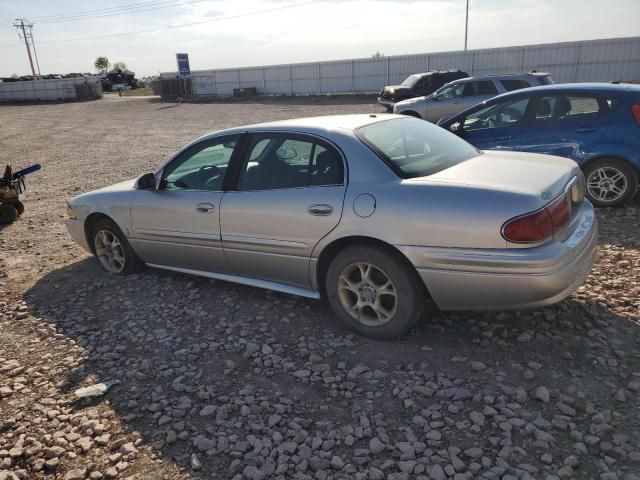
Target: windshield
{"type": "Point", "coordinates": [411, 80]}
{"type": "Point", "coordinates": [415, 148]}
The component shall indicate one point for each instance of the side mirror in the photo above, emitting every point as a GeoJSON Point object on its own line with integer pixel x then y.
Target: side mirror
{"type": "Point", "coordinates": [456, 128]}
{"type": "Point", "coordinates": [146, 181]}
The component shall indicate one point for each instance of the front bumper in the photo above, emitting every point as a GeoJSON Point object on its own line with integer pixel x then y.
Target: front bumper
{"type": "Point", "coordinates": [504, 279]}
{"type": "Point", "coordinates": [386, 103]}
{"type": "Point", "coordinates": [76, 230]}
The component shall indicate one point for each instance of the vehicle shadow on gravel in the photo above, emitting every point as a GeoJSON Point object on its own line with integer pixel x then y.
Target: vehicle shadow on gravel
{"type": "Point", "coordinates": [213, 369]}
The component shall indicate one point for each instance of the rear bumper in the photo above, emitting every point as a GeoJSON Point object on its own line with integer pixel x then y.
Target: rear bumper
{"type": "Point", "coordinates": [503, 279]}
{"type": "Point", "coordinates": [76, 230]}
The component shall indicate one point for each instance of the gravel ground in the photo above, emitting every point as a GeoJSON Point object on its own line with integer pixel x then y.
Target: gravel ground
{"type": "Point", "coordinates": [230, 382]}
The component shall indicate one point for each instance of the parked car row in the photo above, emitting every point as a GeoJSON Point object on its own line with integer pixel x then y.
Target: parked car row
{"type": "Point", "coordinates": [596, 125]}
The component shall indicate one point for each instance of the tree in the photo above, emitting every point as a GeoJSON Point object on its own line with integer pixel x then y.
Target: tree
{"type": "Point", "coordinates": [15, 76]}
{"type": "Point", "coordinates": [119, 66]}
{"type": "Point", "coordinates": [377, 55]}
{"type": "Point", "coordinates": [102, 63]}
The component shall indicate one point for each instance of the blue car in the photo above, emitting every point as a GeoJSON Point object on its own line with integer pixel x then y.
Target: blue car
{"type": "Point", "coordinates": [595, 124]}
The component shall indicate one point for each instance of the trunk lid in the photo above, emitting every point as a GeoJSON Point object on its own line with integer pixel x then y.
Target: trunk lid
{"type": "Point", "coordinates": [543, 177]}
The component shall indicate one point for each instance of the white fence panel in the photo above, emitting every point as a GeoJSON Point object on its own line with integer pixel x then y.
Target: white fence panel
{"type": "Point", "coordinates": [52, 89]}
{"type": "Point", "coordinates": [592, 60]}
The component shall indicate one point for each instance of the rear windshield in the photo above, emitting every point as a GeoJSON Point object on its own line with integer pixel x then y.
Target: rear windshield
{"type": "Point", "coordinates": [546, 80]}
{"type": "Point", "coordinates": [415, 148]}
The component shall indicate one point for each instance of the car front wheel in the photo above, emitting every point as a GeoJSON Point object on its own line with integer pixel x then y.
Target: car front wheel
{"type": "Point", "coordinates": [374, 292]}
{"type": "Point", "coordinates": [113, 250]}
{"type": "Point", "coordinates": [610, 182]}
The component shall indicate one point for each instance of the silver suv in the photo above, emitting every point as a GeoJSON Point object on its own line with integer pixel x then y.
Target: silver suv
{"type": "Point", "coordinates": [456, 96]}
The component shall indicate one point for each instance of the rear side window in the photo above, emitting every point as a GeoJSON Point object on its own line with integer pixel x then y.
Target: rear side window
{"type": "Point", "coordinates": [510, 85]}
{"type": "Point", "coordinates": [277, 161]}
{"type": "Point", "coordinates": [567, 107]}
{"type": "Point", "coordinates": [486, 88]}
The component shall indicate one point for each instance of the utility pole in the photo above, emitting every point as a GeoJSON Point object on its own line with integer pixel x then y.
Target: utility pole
{"type": "Point", "coordinates": [24, 36]}
{"type": "Point", "coordinates": [466, 26]}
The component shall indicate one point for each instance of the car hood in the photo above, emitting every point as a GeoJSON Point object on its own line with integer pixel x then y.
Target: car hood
{"type": "Point", "coordinates": [396, 88]}
{"type": "Point", "coordinates": [120, 187]}
{"type": "Point", "coordinates": [541, 178]}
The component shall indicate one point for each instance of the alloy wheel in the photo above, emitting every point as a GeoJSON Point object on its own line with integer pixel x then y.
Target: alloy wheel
{"type": "Point", "coordinates": [367, 294]}
{"type": "Point", "coordinates": [109, 251]}
{"type": "Point", "coordinates": [607, 184]}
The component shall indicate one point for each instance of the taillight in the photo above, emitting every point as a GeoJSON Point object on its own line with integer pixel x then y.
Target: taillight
{"type": "Point", "coordinates": [540, 225]}
{"type": "Point", "coordinates": [635, 111]}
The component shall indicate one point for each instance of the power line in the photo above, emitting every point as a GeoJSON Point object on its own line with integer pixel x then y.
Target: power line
{"type": "Point", "coordinates": [117, 13]}
{"type": "Point", "coordinates": [182, 25]}
{"type": "Point", "coordinates": [104, 10]}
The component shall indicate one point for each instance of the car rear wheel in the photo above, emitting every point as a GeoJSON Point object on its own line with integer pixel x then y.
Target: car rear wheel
{"type": "Point", "coordinates": [373, 292]}
{"type": "Point", "coordinates": [113, 250]}
{"type": "Point", "coordinates": [610, 182]}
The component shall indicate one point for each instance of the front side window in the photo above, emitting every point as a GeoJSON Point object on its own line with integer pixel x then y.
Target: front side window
{"type": "Point", "coordinates": [415, 148]}
{"type": "Point", "coordinates": [508, 113]}
{"type": "Point", "coordinates": [452, 91]}
{"type": "Point", "coordinates": [201, 167]}
{"type": "Point", "coordinates": [277, 161]}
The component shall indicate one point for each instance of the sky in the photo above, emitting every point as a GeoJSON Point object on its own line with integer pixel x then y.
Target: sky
{"type": "Point", "coordinates": [227, 34]}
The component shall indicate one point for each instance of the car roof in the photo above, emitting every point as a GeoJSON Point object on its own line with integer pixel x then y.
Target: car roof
{"type": "Point", "coordinates": [314, 124]}
{"type": "Point", "coordinates": [575, 87]}
{"type": "Point", "coordinates": [506, 76]}
{"type": "Point", "coordinates": [431, 72]}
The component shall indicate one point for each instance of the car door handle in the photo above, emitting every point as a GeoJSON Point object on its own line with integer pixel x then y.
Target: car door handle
{"type": "Point", "coordinates": [320, 209]}
{"type": "Point", "coordinates": [586, 130]}
{"type": "Point", "coordinates": [205, 207]}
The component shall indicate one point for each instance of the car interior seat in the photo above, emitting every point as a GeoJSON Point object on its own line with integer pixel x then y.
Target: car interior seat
{"type": "Point", "coordinates": [543, 109]}
{"type": "Point", "coordinates": [327, 169]}
{"type": "Point", "coordinates": [563, 107]}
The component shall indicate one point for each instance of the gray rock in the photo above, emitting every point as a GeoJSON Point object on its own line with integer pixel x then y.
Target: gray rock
{"type": "Point", "coordinates": [542, 394]}
{"type": "Point", "coordinates": [376, 446]}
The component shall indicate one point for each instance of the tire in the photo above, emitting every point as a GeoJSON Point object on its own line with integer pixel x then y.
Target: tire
{"type": "Point", "coordinates": [602, 175]}
{"type": "Point", "coordinates": [8, 213]}
{"type": "Point", "coordinates": [402, 304]}
{"type": "Point", "coordinates": [19, 206]}
{"type": "Point", "coordinates": [120, 260]}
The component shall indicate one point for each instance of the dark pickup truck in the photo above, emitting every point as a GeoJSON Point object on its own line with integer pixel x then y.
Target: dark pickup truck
{"type": "Point", "coordinates": [417, 85]}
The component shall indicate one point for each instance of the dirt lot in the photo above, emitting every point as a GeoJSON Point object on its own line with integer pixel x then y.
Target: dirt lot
{"type": "Point", "coordinates": [230, 382]}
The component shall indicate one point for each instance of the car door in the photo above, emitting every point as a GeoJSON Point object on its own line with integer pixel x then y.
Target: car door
{"type": "Point", "coordinates": [447, 101]}
{"type": "Point", "coordinates": [498, 125]}
{"type": "Point", "coordinates": [178, 224]}
{"type": "Point", "coordinates": [564, 124]}
{"type": "Point", "coordinates": [289, 194]}
{"type": "Point", "coordinates": [482, 90]}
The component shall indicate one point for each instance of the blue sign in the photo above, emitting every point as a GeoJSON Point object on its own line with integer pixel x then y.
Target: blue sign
{"type": "Point", "coordinates": [183, 64]}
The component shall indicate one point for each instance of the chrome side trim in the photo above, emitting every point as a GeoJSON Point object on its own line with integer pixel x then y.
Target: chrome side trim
{"type": "Point", "coordinates": [252, 282]}
{"type": "Point", "coordinates": [237, 240]}
{"type": "Point", "coordinates": [176, 234]}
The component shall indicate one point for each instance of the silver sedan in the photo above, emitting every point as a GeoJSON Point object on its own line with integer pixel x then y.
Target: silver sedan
{"type": "Point", "coordinates": [375, 213]}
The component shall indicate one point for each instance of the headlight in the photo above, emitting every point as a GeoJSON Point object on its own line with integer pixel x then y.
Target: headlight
{"type": "Point", "coordinates": [70, 213]}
